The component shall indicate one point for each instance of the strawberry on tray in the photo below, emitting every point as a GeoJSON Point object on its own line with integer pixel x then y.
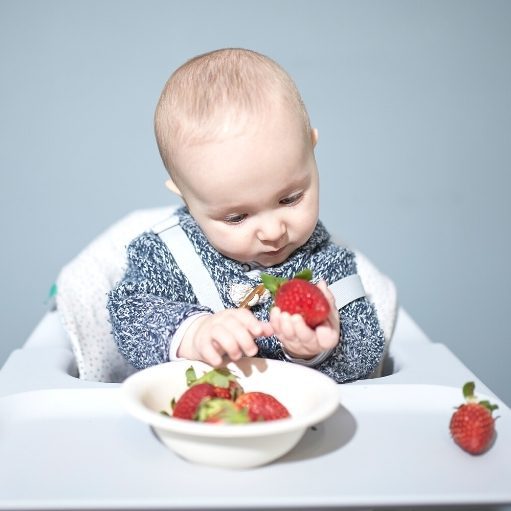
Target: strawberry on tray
{"type": "Point", "coordinates": [472, 425]}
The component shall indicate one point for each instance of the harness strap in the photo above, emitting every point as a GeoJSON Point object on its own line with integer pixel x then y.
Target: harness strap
{"type": "Point", "coordinates": [188, 260]}
{"type": "Point", "coordinates": [345, 290]}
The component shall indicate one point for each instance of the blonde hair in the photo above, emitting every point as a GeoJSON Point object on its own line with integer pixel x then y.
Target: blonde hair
{"type": "Point", "coordinates": [216, 89]}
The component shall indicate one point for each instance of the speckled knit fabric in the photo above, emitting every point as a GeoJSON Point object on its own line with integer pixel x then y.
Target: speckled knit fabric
{"type": "Point", "coordinates": [155, 297]}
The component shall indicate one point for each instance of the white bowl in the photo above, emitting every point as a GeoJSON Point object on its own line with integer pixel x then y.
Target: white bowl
{"type": "Point", "coordinates": [309, 395]}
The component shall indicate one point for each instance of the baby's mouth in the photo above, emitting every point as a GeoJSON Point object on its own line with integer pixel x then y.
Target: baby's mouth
{"type": "Point", "coordinates": [274, 253]}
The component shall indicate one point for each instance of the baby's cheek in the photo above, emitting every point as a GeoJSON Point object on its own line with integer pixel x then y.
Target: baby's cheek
{"type": "Point", "coordinates": [225, 244]}
{"type": "Point", "coordinates": [305, 225]}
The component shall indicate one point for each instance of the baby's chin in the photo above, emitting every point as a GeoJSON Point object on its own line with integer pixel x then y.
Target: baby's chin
{"type": "Point", "coordinates": [263, 259]}
{"type": "Point", "coordinates": [274, 258]}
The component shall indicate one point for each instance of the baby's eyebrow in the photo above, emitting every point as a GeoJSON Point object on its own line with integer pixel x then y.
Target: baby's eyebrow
{"type": "Point", "coordinates": [230, 209]}
{"type": "Point", "coordinates": [294, 187]}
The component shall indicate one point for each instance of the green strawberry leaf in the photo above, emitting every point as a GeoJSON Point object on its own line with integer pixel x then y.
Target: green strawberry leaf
{"type": "Point", "coordinates": [305, 274]}
{"type": "Point", "coordinates": [191, 377]}
{"type": "Point", "coordinates": [490, 407]}
{"type": "Point", "coordinates": [272, 283]}
{"type": "Point", "coordinates": [223, 410]}
{"type": "Point", "coordinates": [219, 377]}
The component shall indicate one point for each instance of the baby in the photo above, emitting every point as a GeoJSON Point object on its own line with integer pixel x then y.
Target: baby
{"type": "Point", "coordinates": [235, 138]}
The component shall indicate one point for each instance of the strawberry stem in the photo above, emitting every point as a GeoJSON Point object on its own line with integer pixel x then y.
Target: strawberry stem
{"type": "Point", "coordinates": [468, 390]}
{"type": "Point", "coordinates": [468, 394]}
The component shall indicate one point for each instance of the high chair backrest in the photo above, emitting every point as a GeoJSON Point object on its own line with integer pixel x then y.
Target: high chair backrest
{"type": "Point", "coordinates": [82, 293]}
{"type": "Point", "coordinates": [84, 283]}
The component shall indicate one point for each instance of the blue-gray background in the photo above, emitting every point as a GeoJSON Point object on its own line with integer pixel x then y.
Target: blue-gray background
{"type": "Point", "coordinates": [412, 100]}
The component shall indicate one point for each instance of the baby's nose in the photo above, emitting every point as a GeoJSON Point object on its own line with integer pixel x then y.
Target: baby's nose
{"type": "Point", "coordinates": [271, 229]}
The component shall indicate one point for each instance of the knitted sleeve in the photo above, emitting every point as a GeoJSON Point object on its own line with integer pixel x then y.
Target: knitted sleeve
{"type": "Point", "coordinates": [147, 306]}
{"type": "Point", "coordinates": [361, 343]}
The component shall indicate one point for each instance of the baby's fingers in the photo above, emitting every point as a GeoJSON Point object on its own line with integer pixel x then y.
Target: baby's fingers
{"type": "Point", "coordinates": [210, 353]}
{"type": "Point", "coordinates": [275, 320]}
{"type": "Point", "coordinates": [326, 337]}
{"type": "Point", "coordinates": [253, 325]}
{"type": "Point", "coordinates": [322, 285]}
{"type": "Point", "coordinates": [333, 317]}
{"type": "Point", "coordinates": [287, 325]}
{"type": "Point", "coordinates": [302, 331]}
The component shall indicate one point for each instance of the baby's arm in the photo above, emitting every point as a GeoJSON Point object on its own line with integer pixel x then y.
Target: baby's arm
{"type": "Point", "coordinates": [150, 303]}
{"type": "Point", "coordinates": [154, 299]}
{"type": "Point", "coordinates": [301, 341]}
{"type": "Point", "coordinates": [230, 332]}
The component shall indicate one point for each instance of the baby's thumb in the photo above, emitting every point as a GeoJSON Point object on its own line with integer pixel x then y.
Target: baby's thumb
{"type": "Point", "coordinates": [328, 294]}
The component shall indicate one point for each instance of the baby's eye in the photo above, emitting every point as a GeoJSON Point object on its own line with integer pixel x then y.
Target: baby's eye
{"type": "Point", "coordinates": [291, 199]}
{"type": "Point", "coordinates": [235, 219]}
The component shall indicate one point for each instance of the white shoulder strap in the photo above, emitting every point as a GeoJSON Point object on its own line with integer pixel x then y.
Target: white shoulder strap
{"type": "Point", "coordinates": [347, 289]}
{"type": "Point", "coordinates": [189, 261]}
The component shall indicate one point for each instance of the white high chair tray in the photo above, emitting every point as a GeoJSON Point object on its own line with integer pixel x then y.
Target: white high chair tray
{"type": "Point", "coordinates": [387, 445]}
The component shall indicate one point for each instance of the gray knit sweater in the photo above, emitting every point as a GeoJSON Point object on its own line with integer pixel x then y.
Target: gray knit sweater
{"type": "Point", "coordinates": [155, 297]}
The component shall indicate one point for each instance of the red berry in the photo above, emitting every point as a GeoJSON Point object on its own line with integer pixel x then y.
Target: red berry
{"type": "Point", "coordinates": [262, 406]}
{"type": "Point", "coordinates": [230, 392]}
{"type": "Point", "coordinates": [472, 426]}
{"type": "Point", "coordinates": [299, 296]}
{"type": "Point", "coordinates": [187, 405]}
{"type": "Point", "coordinates": [225, 383]}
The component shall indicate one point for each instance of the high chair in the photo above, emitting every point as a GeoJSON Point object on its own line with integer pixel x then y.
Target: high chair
{"type": "Point", "coordinates": [66, 441]}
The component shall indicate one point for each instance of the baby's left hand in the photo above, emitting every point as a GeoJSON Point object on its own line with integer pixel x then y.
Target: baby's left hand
{"type": "Point", "coordinates": [301, 341]}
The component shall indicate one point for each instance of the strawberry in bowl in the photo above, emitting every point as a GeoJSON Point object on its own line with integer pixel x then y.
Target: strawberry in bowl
{"type": "Point", "coordinates": [217, 397]}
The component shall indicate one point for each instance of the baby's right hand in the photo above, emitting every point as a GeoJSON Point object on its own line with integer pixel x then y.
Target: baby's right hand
{"type": "Point", "coordinates": [230, 333]}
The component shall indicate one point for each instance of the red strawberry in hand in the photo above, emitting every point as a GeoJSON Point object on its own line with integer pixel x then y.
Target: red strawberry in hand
{"type": "Point", "coordinates": [187, 405]}
{"type": "Point", "coordinates": [262, 406]}
{"type": "Point", "coordinates": [472, 426]}
{"type": "Point", "coordinates": [299, 296]}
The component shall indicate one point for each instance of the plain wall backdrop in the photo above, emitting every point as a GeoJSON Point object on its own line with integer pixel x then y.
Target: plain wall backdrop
{"type": "Point", "coordinates": [412, 100]}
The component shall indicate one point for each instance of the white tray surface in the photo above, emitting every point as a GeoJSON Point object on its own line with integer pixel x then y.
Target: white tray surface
{"type": "Point", "coordinates": [387, 445]}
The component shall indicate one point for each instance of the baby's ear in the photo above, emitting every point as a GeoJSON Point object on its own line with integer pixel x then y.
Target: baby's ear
{"type": "Point", "coordinates": [314, 136]}
{"type": "Point", "coordinates": [173, 187]}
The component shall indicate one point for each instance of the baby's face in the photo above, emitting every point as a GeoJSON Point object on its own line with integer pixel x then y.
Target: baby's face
{"type": "Point", "coordinates": [253, 193]}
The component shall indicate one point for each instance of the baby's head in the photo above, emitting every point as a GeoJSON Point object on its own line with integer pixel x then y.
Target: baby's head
{"type": "Point", "coordinates": [216, 95]}
{"type": "Point", "coordinates": [236, 140]}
